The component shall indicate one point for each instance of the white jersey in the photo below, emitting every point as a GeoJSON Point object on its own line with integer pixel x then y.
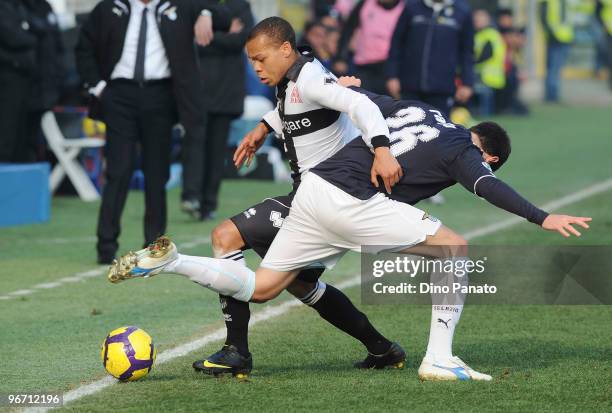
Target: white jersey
{"type": "Point", "coordinates": [316, 117]}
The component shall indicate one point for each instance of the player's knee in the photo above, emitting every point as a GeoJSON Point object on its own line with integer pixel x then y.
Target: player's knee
{"type": "Point", "coordinates": [458, 246]}
{"type": "Point", "coordinates": [263, 295]}
{"type": "Point", "coordinates": [225, 238]}
{"type": "Point", "coordinates": [300, 289]}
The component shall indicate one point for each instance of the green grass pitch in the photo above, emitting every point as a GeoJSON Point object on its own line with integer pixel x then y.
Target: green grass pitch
{"type": "Point", "coordinates": [543, 358]}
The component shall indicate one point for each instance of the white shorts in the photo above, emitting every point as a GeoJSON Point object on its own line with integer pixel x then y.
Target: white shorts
{"type": "Point", "coordinates": [325, 222]}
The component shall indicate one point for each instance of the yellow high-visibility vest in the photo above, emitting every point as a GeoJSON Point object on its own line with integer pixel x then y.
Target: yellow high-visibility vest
{"type": "Point", "coordinates": [562, 29]}
{"type": "Point", "coordinates": [606, 15]}
{"type": "Point", "coordinates": [492, 71]}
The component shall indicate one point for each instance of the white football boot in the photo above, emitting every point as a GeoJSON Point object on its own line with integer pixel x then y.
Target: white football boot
{"type": "Point", "coordinates": [144, 263]}
{"type": "Point", "coordinates": [452, 368]}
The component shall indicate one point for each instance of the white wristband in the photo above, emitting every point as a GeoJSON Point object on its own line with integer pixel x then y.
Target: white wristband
{"type": "Point", "coordinates": [206, 13]}
{"type": "Point", "coordinates": [98, 89]}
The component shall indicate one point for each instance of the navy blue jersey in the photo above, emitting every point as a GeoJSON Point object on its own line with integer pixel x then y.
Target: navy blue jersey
{"type": "Point", "coordinates": [433, 153]}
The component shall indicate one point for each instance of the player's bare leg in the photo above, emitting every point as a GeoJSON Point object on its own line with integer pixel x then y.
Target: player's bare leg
{"type": "Point", "coordinates": [439, 362]}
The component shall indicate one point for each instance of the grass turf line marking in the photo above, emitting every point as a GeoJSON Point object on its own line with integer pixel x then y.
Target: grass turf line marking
{"type": "Point", "coordinates": [84, 275]}
{"type": "Point", "coordinates": [280, 309]}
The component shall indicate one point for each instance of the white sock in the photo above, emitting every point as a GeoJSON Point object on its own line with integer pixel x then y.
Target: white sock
{"type": "Point", "coordinates": [444, 319]}
{"type": "Point", "coordinates": [445, 314]}
{"type": "Point", "coordinates": [225, 276]}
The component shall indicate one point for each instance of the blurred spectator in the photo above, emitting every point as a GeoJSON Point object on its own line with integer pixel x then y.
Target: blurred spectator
{"type": "Point", "coordinates": [332, 39]}
{"type": "Point", "coordinates": [48, 76]}
{"type": "Point", "coordinates": [554, 15]}
{"type": "Point", "coordinates": [507, 100]}
{"type": "Point", "coordinates": [505, 19]}
{"type": "Point", "coordinates": [433, 40]}
{"type": "Point", "coordinates": [374, 21]}
{"type": "Point", "coordinates": [489, 57]}
{"type": "Point", "coordinates": [604, 14]}
{"type": "Point", "coordinates": [223, 78]}
{"type": "Point", "coordinates": [17, 66]}
{"type": "Point", "coordinates": [316, 36]}
{"type": "Point", "coordinates": [139, 64]}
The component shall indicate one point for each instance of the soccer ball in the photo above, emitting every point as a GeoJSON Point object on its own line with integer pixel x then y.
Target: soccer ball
{"type": "Point", "coordinates": [128, 353]}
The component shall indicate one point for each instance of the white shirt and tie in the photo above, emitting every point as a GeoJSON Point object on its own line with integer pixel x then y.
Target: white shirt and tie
{"type": "Point", "coordinates": [156, 65]}
{"type": "Point", "coordinates": [156, 62]}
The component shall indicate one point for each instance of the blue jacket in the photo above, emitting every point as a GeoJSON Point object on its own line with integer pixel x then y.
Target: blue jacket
{"type": "Point", "coordinates": [429, 49]}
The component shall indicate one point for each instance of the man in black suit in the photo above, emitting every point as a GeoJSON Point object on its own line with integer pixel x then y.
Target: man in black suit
{"type": "Point", "coordinates": [222, 67]}
{"type": "Point", "coordinates": [17, 65]}
{"type": "Point", "coordinates": [138, 61]}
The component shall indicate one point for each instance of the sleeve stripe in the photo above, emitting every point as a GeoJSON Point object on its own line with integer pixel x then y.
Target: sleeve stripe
{"type": "Point", "coordinates": [478, 180]}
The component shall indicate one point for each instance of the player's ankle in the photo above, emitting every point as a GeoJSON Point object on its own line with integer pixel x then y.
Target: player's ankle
{"type": "Point", "coordinates": [378, 347]}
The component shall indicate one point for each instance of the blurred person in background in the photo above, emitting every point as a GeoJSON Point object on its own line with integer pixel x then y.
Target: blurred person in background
{"type": "Point", "coordinates": [433, 41]}
{"type": "Point", "coordinates": [507, 100]}
{"type": "Point", "coordinates": [138, 62]}
{"type": "Point", "coordinates": [374, 21]}
{"type": "Point", "coordinates": [222, 70]}
{"type": "Point", "coordinates": [48, 75]}
{"type": "Point", "coordinates": [17, 67]}
{"type": "Point", "coordinates": [554, 15]}
{"type": "Point", "coordinates": [315, 36]}
{"type": "Point", "coordinates": [603, 12]}
{"type": "Point", "coordinates": [489, 57]}
{"type": "Point", "coordinates": [505, 19]}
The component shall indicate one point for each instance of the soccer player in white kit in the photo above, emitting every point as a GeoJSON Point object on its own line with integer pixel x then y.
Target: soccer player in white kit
{"type": "Point", "coordinates": [315, 118]}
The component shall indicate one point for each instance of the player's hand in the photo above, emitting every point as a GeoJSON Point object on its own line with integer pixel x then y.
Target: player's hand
{"type": "Point", "coordinates": [203, 30]}
{"type": "Point", "coordinates": [394, 87]}
{"type": "Point", "coordinates": [564, 224]}
{"type": "Point", "coordinates": [386, 166]}
{"type": "Point", "coordinates": [347, 81]}
{"type": "Point", "coordinates": [236, 26]}
{"type": "Point", "coordinates": [249, 145]}
{"type": "Point", "coordinates": [463, 94]}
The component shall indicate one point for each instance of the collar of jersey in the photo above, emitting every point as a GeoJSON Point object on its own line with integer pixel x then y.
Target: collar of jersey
{"type": "Point", "coordinates": [304, 57]}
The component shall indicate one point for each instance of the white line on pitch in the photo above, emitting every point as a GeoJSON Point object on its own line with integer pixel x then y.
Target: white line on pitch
{"type": "Point", "coordinates": [84, 275]}
{"type": "Point", "coordinates": [280, 309]}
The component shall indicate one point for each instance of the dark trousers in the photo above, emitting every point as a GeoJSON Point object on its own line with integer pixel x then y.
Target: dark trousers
{"type": "Point", "coordinates": [556, 55]}
{"type": "Point", "coordinates": [192, 148]}
{"type": "Point", "coordinates": [14, 106]}
{"type": "Point", "coordinates": [373, 77]}
{"type": "Point", "coordinates": [444, 103]}
{"type": "Point", "coordinates": [217, 132]}
{"type": "Point", "coordinates": [136, 118]}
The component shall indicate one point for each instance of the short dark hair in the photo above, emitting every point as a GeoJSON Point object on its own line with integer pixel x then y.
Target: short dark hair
{"type": "Point", "coordinates": [504, 12]}
{"type": "Point", "coordinates": [495, 141]}
{"type": "Point", "coordinates": [276, 28]}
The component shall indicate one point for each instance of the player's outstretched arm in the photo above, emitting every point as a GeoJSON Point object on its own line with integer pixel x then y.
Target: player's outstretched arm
{"type": "Point", "coordinates": [503, 196]}
{"type": "Point", "coordinates": [564, 224]}
{"type": "Point", "coordinates": [251, 142]}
